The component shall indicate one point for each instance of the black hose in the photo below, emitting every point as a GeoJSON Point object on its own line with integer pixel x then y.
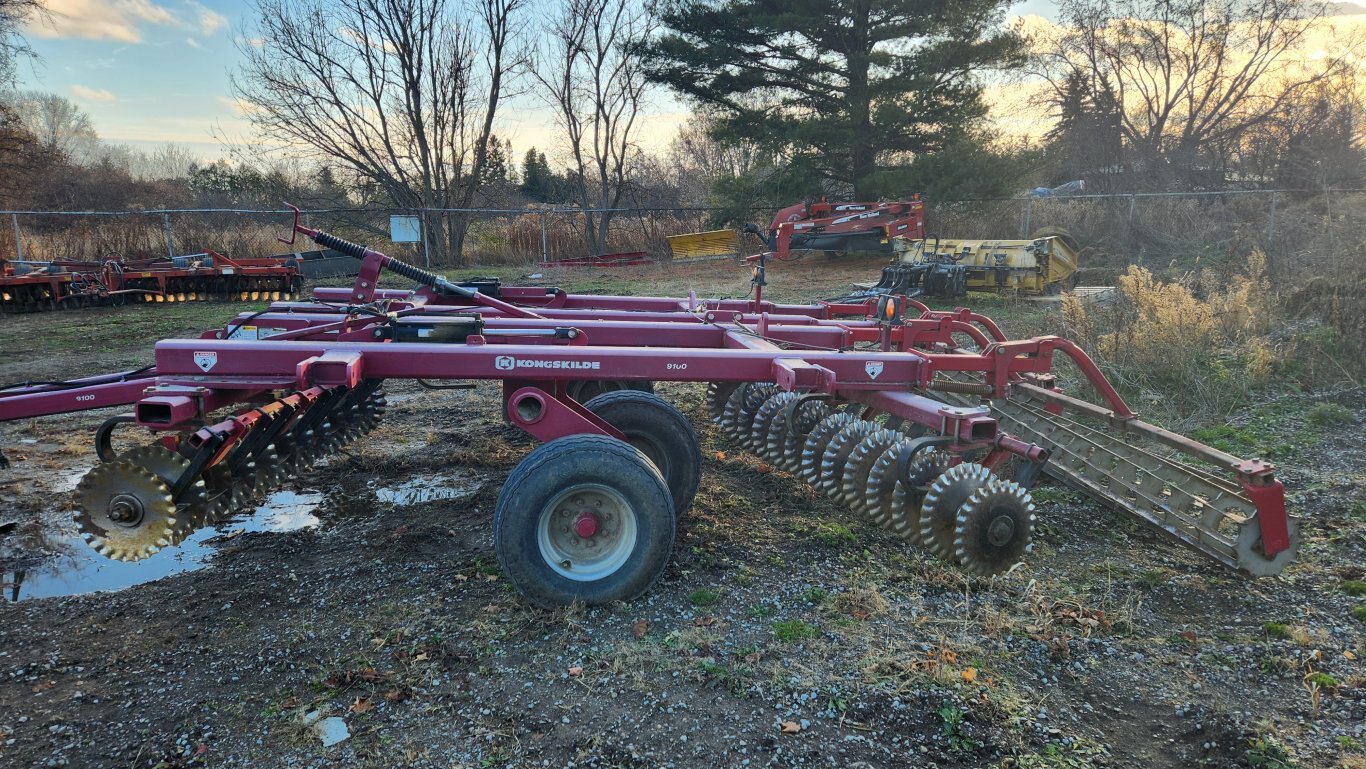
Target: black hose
{"type": "Point", "coordinates": [72, 384]}
{"type": "Point", "coordinates": [415, 274]}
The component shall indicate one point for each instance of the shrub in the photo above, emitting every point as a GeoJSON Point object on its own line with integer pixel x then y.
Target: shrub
{"type": "Point", "coordinates": [1195, 341]}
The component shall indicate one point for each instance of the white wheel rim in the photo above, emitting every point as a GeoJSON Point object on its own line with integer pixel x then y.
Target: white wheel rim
{"type": "Point", "coordinates": [598, 555]}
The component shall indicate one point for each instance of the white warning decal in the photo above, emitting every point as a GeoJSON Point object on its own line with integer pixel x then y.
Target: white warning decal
{"type": "Point", "coordinates": [874, 368]}
{"type": "Point", "coordinates": [205, 360]}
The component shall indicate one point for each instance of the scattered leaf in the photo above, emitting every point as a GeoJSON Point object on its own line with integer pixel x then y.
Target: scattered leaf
{"type": "Point", "coordinates": [1190, 637]}
{"type": "Point", "coordinates": [362, 705]}
{"type": "Point", "coordinates": [420, 657]}
{"type": "Point", "coordinates": [791, 727]}
{"type": "Point", "coordinates": [462, 578]}
{"type": "Point", "coordinates": [721, 455]}
{"type": "Point", "coordinates": [43, 686]}
{"type": "Point", "coordinates": [1348, 655]}
{"type": "Point", "coordinates": [396, 695]}
{"type": "Point", "coordinates": [969, 674]}
{"type": "Point", "coordinates": [704, 620]}
{"type": "Point", "coordinates": [490, 577]}
{"type": "Point", "coordinates": [289, 703]}
{"type": "Point", "coordinates": [763, 467]}
{"type": "Point", "coordinates": [859, 614]}
{"type": "Point", "coordinates": [753, 658]}
{"type": "Point", "coordinates": [493, 608]}
{"type": "Point", "coordinates": [576, 671]}
{"type": "Point", "coordinates": [638, 629]}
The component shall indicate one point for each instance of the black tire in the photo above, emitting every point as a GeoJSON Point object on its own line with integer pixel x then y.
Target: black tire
{"type": "Point", "coordinates": [559, 473]}
{"type": "Point", "coordinates": [661, 433]}
{"type": "Point", "coordinates": [584, 390]}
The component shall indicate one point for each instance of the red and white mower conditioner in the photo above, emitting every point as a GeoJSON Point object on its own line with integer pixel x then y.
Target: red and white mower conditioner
{"type": "Point", "coordinates": [910, 416]}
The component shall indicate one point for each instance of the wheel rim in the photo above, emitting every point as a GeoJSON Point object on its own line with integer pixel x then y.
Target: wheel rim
{"type": "Point", "coordinates": [586, 532]}
{"type": "Point", "coordinates": [652, 451]}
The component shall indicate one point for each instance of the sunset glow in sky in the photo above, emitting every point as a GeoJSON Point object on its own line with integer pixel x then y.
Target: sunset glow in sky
{"type": "Point", "coordinates": [155, 71]}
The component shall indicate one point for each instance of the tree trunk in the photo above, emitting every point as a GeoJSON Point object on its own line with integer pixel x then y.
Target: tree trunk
{"type": "Point", "coordinates": [863, 153]}
{"type": "Point", "coordinates": [457, 226]}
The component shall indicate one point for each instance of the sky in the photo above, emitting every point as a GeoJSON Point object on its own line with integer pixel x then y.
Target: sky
{"type": "Point", "coordinates": [151, 72]}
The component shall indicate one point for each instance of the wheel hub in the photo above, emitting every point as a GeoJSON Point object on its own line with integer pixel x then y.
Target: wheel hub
{"type": "Point", "coordinates": [587, 532]}
{"type": "Point", "coordinates": [586, 525]}
{"type": "Point", "coordinates": [1001, 530]}
{"type": "Point", "coordinates": [125, 510]}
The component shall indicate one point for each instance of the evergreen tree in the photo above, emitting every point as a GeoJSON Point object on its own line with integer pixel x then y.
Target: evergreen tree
{"type": "Point", "coordinates": [538, 181]}
{"type": "Point", "coordinates": [1087, 142]}
{"type": "Point", "coordinates": [845, 87]}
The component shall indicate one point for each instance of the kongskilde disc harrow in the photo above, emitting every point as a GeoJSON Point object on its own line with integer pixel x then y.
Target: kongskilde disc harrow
{"type": "Point", "coordinates": [27, 286]}
{"type": "Point", "coordinates": [878, 404]}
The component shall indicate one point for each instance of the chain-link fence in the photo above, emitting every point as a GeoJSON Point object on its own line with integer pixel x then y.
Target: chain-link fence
{"type": "Point", "coordinates": [1302, 234]}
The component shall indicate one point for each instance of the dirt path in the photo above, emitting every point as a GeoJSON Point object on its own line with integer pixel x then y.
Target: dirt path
{"type": "Point", "coordinates": [377, 601]}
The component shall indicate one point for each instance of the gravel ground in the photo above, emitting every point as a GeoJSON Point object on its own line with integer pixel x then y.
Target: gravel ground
{"type": "Point", "coordinates": [786, 632]}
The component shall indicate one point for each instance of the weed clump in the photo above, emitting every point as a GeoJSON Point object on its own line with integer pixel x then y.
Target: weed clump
{"type": "Point", "coordinates": [1198, 341]}
{"type": "Point", "coordinates": [835, 535]}
{"type": "Point", "coordinates": [704, 597]}
{"type": "Point", "coordinates": [1276, 629]}
{"type": "Point", "coordinates": [793, 630]}
{"type": "Point", "coordinates": [1354, 587]}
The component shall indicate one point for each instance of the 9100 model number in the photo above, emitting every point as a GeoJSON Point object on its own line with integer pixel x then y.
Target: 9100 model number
{"type": "Point", "coordinates": [676, 366]}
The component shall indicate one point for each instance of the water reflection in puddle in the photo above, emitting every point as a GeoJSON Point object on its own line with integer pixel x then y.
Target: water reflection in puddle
{"type": "Point", "coordinates": [419, 490]}
{"type": "Point", "coordinates": [72, 567]}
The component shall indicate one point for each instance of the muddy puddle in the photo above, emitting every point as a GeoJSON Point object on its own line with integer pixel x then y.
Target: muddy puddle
{"type": "Point", "coordinates": [58, 563]}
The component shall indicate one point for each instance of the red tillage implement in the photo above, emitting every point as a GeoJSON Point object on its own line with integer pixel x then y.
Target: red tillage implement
{"type": "Point", "coordinates": [37, 286]}
{"type": "Point", "coordinates": [908, 415]}
{"type": "Point", "coordinates": [841, 227]}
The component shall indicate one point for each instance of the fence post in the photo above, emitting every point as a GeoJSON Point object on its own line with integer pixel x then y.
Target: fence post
{"type": "Point", "coordinates": [166, 222]}
{"type": "Point", "coordinates": [544, 256]}
{"type": "Point", "coordinates": [18, 241]}
{"type": "Point", "coordinates": [1271, 223]}
{"type": "Point", "coordinates": [1132, 200]}
{"type": "Point", "coordinates": [1029, 213]}
{"type": "Point", "coordinates": [422, 227]}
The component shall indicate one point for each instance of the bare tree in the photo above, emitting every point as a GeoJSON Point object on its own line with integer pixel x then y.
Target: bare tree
{"type": "Point", "coordinates": [590, 74]}
{"type": "Point", "coordinates": [59, 125]}
{"type": "Point", "coordinates": [402, 94]}
{"type": "Point", "coordinates": [1190, 78]}
{"type": "Point", "coordinates": [13, 46]}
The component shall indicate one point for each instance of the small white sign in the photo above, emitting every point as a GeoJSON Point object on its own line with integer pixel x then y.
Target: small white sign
{"type": "Point", "coordinates": [205, 360]}
{"type": "Point", "coordinates": [405, 229]}
{"type": "Point", "coordinates": [874, 368]}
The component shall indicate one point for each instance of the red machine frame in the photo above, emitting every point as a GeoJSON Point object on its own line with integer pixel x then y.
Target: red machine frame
{"type": "Point", "coordinates": [843, 226]}
{"type": "Point", "coordinates": [886, 356]}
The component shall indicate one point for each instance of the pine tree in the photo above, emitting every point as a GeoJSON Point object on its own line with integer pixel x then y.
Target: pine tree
{"type": "Point", "coordinates": [538, 181]}
{"type": "Point", "coordinates": [845, 87]}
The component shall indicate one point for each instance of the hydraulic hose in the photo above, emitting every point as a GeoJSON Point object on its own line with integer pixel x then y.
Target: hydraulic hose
{"type": "Point", "coordinates": [411, 272]}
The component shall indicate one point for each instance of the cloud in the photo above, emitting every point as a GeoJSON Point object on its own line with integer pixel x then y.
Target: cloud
{"type": "Point", "coordinates": [96, 20]}
{"type": "Point", "coordinates": [91, 94]}
{"type": "Point", "coordinates": [193, 43]}
{"type": "Point", "coordinates": [207, 20]}
{"type": "Point", "coordinates": [122, 20]}
{"type": "Point", "coordinates": [240, 107]}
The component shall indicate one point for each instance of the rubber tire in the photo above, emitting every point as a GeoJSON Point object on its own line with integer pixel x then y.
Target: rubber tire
{"type": "Point", "coordinates": [661, 433]}
{"type": "Point", "coordinates": [534, 483]}
{"type": "Point", "coordinates": [595, 387]}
